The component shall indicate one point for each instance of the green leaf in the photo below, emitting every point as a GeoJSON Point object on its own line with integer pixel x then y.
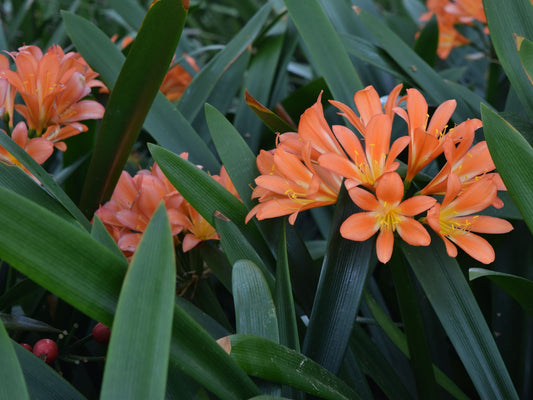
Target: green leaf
{"type": "Point", "coordinates": [288, 330]}
{"type": "Point", "coordinates": [513, 157]}
{"type": "Point", "coordinates": [515, 20]}
{"type": "Point", "coordinates": [427, 42]}
{"type": "Point", "coordinates": [343, 277]}
{"type": "Point", "coordinates": [229, 143]}
{"type": "Point", "coordinates": [130, 10]}
{"type": "Point", "coordinates": [264, 359]}
{"type": "Point", "coordinates": [163, 120]}
{"type": "Point", "coordinates": [209, 324]}
{"type": "Point", "coordinates": [324, 45]}
{"type": "Point", "coordinates": [208, 197]}
{"type": "Point", "coordinates": [42, 381]}
{"type": "Point", "coordinates": [59, 256]}
{"type": "Point", "coordinates": [236, 248]}
{"type": "Point", "coordinates": [131, 98]}
{"type": "Point", "coordinates": [457, 309]}
{"type": "Point", "coordinates": [255, 312]}
{"type": "Point", "coordinates": [46, 180]}
{"type": "Point", "coordinates": [137, 357]}
{"type": "Point", "coordinates": [414, 330]}
{"type": "Point", "coordinates": [521, 289]}
{"type": "Point", "coordinates": [200, 88]}
{"type": "Point", "coordinates": [21, 323]}
{"type": "Point", "coordinates": [13, 383]}
{"type": "Point", "coordinates": [101, 235]}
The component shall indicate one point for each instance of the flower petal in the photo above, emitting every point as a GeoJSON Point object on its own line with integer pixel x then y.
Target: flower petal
{"type": "Point", "coordinates": [413, 232]}
{"type": "Point", "coordinates": [359, 227]}
{"type": "Point", "coordinates": [385, 245]}
{"type": "Point", "coordinates": [390, 188]}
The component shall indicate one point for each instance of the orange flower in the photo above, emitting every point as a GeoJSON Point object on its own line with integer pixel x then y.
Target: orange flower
{"type": "Point", "coordinates": [7, 93]}
{"type": "Point", "coordinates": [177, 79]}
{"type": "Point", "coordinates": [368, 104]}
{"type": "Point", "coordinates": [127, 214]}
{"type": "Point", "coordinates": [449, 37]}
{"type": "Point", "coordinates": [426, 140]}
{"type": "Point", "coordinates": [288, 186]}
{"type": "Point", "coordinates": [52, 87]}
{"type": "Point", "coordinates": [386, 213]}
{"type": "Point", "coordinates": [453, 221]}
{"type": "Point", "coordinates": [369, 164]}
{"type": "Point", "coordinates": [38, 148]}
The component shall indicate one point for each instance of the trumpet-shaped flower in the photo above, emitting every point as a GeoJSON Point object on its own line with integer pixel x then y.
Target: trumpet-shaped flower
{"type": "Point", "coordinates": [447, 17]}
{"type": "Point", "coordinates": [177, 79]}
{"type": "Point", "coordinates": [38, 148]}
{"type": "Point", "coordinates": [368, 103]}
{"type": "Point", "coordinates": [127, 214]}
{"type": "Point", "coordinates": [288, 185]}
{"type": "Point", "coordinates": [386, 213]}
{"type": "Point", "coordinates": [365, 166]}
{"type": "Point", "coordinates": [52, 86]}
{"type": "Point", "coordinates": [454, 223]}
{"type": "Point", "coordinates": [426, 139]}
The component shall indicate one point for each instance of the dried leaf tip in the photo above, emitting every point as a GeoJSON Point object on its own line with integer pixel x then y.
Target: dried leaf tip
{"type": "Point", "coordinates": [225, 343]}
{"type": "Point", "coordinates": [185, 4]}
{"type": "Point", "coordinates": [356, 9]}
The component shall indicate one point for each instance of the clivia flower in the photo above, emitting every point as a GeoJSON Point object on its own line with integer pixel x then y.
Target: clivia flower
{"type": "Point", "coordinates": [454, 223]}
{"type": "Point", "coordinates": [386, 213]}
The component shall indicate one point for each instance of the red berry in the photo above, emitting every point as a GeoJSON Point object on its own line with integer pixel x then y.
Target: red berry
{"type": "Point", "coordinates": [46, 349]}
{"type": "Point", "coordinates": [101, 333]}
{"type": "Point", "coordinates": [26, 346]}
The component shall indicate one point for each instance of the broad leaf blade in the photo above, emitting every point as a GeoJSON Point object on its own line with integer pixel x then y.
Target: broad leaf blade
{"type": "Point", "coordinates": [13, 383]}
{"type": "Point", "coordinates": [131, 98]}
{"type": "Point", "coordinates": [137, 358]}
{"type": "Point", "coordinates": [255, 312]}
{"type": "Point", "coordinates": [455, 305]}
{"type": "Point", "coordinates": [267, 360]}
{"type": "Point", "coordinates": [513, 157]}
{"type": "Point", "coordinates": [521, 289]}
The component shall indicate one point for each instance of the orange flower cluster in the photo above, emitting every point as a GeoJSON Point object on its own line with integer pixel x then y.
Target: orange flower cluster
{"type": "Point", "coordinates": [52, 87]}
{"type": "Point", "coordinates": [451, 13]}
{"type": "Point", "coordinates": [306, 168]}
{"type": "Point", "coordinates": [135, 199]}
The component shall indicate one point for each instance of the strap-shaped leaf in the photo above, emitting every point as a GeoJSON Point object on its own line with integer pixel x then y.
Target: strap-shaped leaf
{"type": "Point", "coordinates": [457, 309]}
{"type": "Point", "coordinates": [229, 143]}
{"type": "Point", "coordinates": [269, 118]}
{"type": "Point", "coordinates": [514, 20]}
{"type": "Point", "coordinates": [267, 360]}
{"type": "Point", "coordinates": [342, 280]}
{"type": "Point", "coordinates": [513, 156]}
{"type": "Point", "coordinates": [525, 51]}
{"type": "Point", "coordinates": [521, 289]}
{"type": "Point", "coordinates": [131, 98]}
{"type": "Point", "coordinates": [137, 358]}
{"type": "Point", "coordinates": [255, 312]}
{"type": "Point", "coordinates": [325, 45]}
{"type": "Point", "coordinates": [13, 384]}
